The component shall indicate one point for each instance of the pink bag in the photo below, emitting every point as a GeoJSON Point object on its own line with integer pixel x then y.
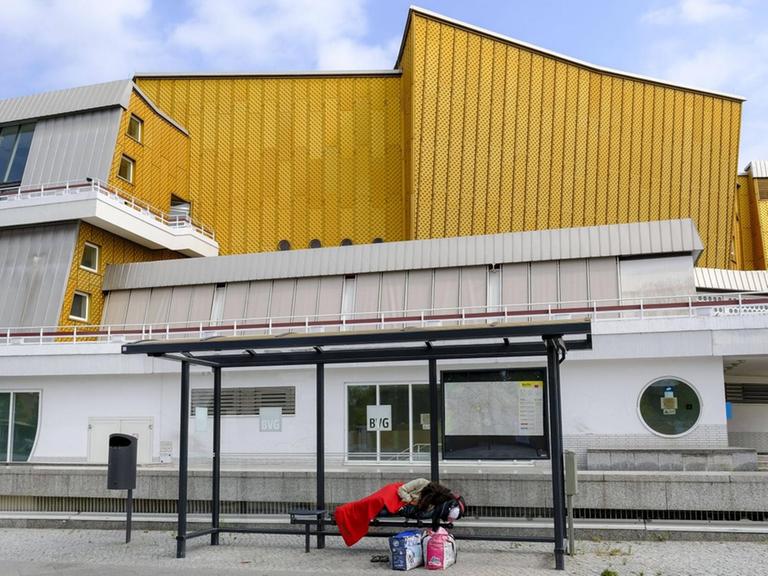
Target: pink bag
{"type": "Point", "coordinates": [439, 549]}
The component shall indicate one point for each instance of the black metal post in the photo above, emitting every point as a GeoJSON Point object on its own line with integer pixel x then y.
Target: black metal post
{"type": "Point", "coordinates": [181, 536]}
{"type": "Point", "coordinates": [556, 449]}
{"type": "Point", "coordinates": [320, 435]}
{"type": "Point", "coordinates": [216, 495]}
{"type": "Point", "coordinates": [434, 411]}
{"type": "Point", "coordinates": [128, 515]}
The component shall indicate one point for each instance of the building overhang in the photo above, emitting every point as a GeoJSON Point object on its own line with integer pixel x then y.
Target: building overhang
{"type": "Point", "coordinates": [101, 206]}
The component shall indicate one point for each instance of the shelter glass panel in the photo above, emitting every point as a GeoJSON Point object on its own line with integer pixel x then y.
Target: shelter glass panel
{"type": "Point", "coordinates": [361, 444]}
{"type": "Point", "coordinates": [395, 443]}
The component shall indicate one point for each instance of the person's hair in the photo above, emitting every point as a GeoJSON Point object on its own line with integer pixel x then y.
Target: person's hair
{"type": "Point", "coordinates": [433, 494]}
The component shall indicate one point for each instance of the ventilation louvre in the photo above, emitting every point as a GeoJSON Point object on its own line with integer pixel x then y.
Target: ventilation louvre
{"type": "Point", "coordinates": [246, 401]}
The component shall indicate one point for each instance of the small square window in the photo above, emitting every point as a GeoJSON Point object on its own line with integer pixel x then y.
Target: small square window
{"type": "Point", "coordinates": [79, 310]}
{"type": "Point", "coordinates": [90, 259]}
{"type": "Point", "coordinates": [126, 169]}
{"type": "Point", "coordinates": [135, 128]}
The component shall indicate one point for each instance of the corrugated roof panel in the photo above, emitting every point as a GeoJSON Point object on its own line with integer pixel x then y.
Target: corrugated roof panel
{"type": "Point", "coordinates": [406, 255]}
{"type": "Point", "coordinates": [60, 102]}
{"type": "Point", "coordinates": [758, 168]}
{"type": "Point", "coordinates": [731, 280]}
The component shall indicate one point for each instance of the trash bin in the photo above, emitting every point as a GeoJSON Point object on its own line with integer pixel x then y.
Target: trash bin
{"type": "Point", "coordinates": [121, 470]}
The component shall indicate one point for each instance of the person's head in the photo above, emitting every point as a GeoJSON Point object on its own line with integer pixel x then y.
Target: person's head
{"type": "Point", "coordinates": [432, 495]}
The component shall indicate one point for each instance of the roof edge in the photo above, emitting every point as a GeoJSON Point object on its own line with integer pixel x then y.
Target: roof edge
{"type": "Point", "coordinates": [568, 59]}
{"type": "Point", "coordinates": [276, 74]}
{"type": "Point", "coordinates": [157, 110]}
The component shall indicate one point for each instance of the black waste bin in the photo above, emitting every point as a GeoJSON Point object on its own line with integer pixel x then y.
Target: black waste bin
{"type": "Point", "coordinates": [121, 472]}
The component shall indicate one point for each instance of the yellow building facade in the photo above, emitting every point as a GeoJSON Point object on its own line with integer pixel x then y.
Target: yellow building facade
{"type": "Point", "coordinates": [471, 133]}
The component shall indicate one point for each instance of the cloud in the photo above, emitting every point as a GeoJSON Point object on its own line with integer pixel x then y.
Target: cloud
{"type": "Point", "coordinates": [723, 58]}
{"type": "Point", "coordinates": [50, 44]}
{"type": "Point", "coordinates": [696, 12]}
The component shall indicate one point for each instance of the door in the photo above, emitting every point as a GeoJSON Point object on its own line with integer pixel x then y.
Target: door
{"type": "Point", "coordinates": [99, 430]}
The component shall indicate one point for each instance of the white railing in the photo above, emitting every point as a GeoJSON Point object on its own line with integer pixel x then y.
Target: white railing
{"type": "Point", "coordinates": [697, 305]}
{"type": "Point", "coordinates": [106, 191]}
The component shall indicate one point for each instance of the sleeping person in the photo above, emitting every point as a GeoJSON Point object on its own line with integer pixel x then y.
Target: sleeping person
{"type": "Point", "coordinates": [418, 498]}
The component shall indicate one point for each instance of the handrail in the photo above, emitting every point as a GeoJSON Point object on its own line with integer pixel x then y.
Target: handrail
{"type": "Point", "coordinates": [67, 188]}
{"type": "Point", "coordinates": [596, 310]}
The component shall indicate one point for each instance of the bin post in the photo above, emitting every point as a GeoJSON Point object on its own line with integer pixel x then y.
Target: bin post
{"type": "Point", "coordinates": [128, 516]}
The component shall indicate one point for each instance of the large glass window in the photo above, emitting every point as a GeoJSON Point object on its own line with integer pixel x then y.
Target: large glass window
{"type": "Point", "coordinates": [408, 438]}
{"type": "Point", "coordinates": [19, 416]}
{"type": "Point", "coordinates": [669, 407]}
{"type": "Point", "coordinates": [15, 142]}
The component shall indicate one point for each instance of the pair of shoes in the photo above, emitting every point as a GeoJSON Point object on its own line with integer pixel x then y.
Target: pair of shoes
{"type": "Point", "coordinates": [379, 558]}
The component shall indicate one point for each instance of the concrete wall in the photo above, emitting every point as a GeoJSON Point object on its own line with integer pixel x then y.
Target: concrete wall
{"type": "Point", "coordinates": [732, 491]}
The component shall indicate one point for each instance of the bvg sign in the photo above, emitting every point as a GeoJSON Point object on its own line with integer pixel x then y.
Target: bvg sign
{"type": "Point", "coordinates": [270, 419]}
{"type": "Point", "coordinates": [379, 418]}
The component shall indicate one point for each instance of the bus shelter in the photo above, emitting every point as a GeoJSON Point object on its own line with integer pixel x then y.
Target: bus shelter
{"type": "Point", "coordinates": [550, 340]}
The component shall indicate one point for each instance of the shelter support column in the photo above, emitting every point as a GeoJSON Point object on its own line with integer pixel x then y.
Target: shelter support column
{"type": "Point", "coordinates": [320, 473]}
{"type": "Point", "coordinates": [181, 536]}
{"type": "Point", "coordinates": [216, 483]}
{"type": "Point", "coordinates": [554, 348]}
{"type": "Point", "coordinates": [434, 411]}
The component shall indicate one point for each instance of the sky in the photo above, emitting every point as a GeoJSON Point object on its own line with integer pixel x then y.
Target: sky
{"type": "Point", "coordinates": [713, 44]}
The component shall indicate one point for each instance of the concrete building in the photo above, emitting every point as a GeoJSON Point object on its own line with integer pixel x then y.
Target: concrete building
{"type": "Point", "coordinates": [480, 179]}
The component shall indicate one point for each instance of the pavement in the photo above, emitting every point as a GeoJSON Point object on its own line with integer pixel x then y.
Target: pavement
{"type": "Point", "coordinates": [38, 552]}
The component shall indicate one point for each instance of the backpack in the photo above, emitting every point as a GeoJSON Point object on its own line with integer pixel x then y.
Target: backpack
{"type": "Point", "coordinates": [439, 549]}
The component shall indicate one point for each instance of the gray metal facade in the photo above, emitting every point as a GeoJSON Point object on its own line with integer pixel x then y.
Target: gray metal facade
{"type": "Point", "coordinates": [636, 239]}
{"type": "Point", "coordinates": [61, 102]}
{"type": "Point", "coordinates": [72, 147]}
{"type": "Point", "coordinates": [518, 286]}
{"type": "Point", "coordinates": [34, 268]}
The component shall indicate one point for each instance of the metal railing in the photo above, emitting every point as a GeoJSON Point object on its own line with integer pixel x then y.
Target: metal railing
{"type": "Point", "coordinates": [106, 191]}
{"type": "Point", "coordinates": [697, 305]}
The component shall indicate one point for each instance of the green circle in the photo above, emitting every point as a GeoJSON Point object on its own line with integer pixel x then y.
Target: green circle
{"type": "Point", "coordinates": [670, 407]}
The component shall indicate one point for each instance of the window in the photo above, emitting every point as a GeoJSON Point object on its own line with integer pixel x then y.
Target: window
{"type": "Point", "coordinates": [409, 438]}
{"type": "Point", "coordinates": [126, 169]}
{"type": "Point", "coordinates": [79, 310]}
{"type": "Point", "coordinates": [246, 401]}
{"type": "Point", "coordinates": [15, 142]}
{"type": "Point", "coordinates": [762, 188]}
{"type": "Point", "coordinates": [180, 208]}
{"type": "Point", "coordinates": [19, 413]}
{"type": "Point", "coordinates": [669, 407]}
{"type": "Point", "coordinates": [135, 128]}
{"type": "Point", "coordinates": [90, 259]}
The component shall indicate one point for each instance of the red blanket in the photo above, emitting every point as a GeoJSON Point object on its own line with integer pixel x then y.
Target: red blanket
{"type": "Point", "coordinates": [353, 518]}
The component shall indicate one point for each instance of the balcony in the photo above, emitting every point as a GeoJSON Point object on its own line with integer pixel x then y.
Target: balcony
{"type": "Point", "coordinates": [108, 208]}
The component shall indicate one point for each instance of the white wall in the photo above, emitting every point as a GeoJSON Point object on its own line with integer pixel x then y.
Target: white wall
{"type": "Point", "coordinates": [599, 405]}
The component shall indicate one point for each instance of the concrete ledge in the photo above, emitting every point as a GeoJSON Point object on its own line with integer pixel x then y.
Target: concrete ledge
{"type": "Point", "coordinates": [685, 459]}
{"type": "Point", "coordinates": [22, 487]}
